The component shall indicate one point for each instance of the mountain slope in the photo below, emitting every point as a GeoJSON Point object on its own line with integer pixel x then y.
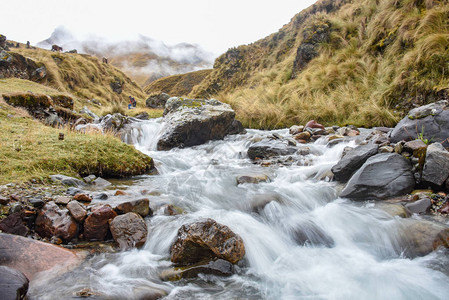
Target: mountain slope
{"type": "Point", "coordinates": [360, 62]}
{"type": "Point", "coordinates": [83, 76]}
{"type": "Point", "coordinates": [143, 59]}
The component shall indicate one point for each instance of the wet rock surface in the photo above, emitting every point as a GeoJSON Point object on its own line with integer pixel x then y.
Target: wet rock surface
{"type": "Point", "coordinates": [55, 222]}
{"type": "Point", "coordinates": [129, 230]}
{"type": "Point", "coordinates": [191, 122]}
{"type": "Point", "coordinates": [206, 240]}
{"type": "Point", "coordinates": [13, 284]}
{"type": "Point", "coordinates": [139, 206]}
{"type": "Point", "coordinates": [352, 161]}
{"type": "Point", "coordinates": [382, 176]}
{"type": "Point", "coordinates": [219, 267]}
{"type": "Point", "coordinates": [96, 225]}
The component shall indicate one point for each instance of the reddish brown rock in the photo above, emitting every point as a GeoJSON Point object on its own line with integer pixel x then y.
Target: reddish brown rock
{"type": "Point", "coordinates": [120, 193]}
{"type": "Point", "coordinates": [62, 200]}
{"type": "Point", "coordinates": [129, 230]}
{"type": "Point", "coordinates": [82, 197]}
{"type": "Point", "coordinates": [77, 210]}
{"type": "Point", "coordinates": [13, 224]}
{"type": "Point", "coordinates": [206, 240]}
{"type": "Point", "coordinates": [31, 256]}
{"type": "Point", "coordinates": [55, 222]}
{"type": "Point", "coordinates": [140, 206]}
{"type": "Point", "coordinates": [305, 136]}
{"type": "Point", "coordinates": [96, 225]}
{"type": "Point", "coordinates": [314, 124]}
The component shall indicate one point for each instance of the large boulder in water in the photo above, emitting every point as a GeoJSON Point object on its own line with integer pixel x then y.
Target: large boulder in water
{"type": "Point", "coordinates": [13, 284]}
{"type": "Point", "coordinates": [205, 240]}
{"type": "Point", "coordinates": [129, 230]}
{"type": "Point", "coordinates": [429, 122]}
{"type": "Point", "coordinates": [382, 176]}
{"type": "Point", "coordinates": [190, 122]}
{"type": "Point", "coordinates": [352, 161]}
{"type": "Point", "coordinates": [31, 257]}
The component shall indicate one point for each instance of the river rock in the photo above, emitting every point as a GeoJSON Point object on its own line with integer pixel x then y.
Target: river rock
{"type": "Point", "coordinates": [352, 161]}
{"type": "Point", "coordinates": [13, 284]}
{"type": "Point", "coordinates": [77, 210]}
{"type": "Point", "coordinates": [308, 233]}
{"type": "Point", "coordinates": [206, 240]}
{"type": "Point", "coordinates": [252, 178]}
{"type": "Point", "coordinates": [429, 122]}
{"type": "Point", "coordinates": [422, 237]}
{"type": "Point", "coordinates": [394, 210]}
{"type": "Point", "coordinates": [191, 122]}
{"type": "Point", "coordinates": [314, 124]}
{"type": "Point", "coordinates": [13, 224]}
{"type": "Point", "coordinates": [31, 257]}
{"type": "Point", "coordinates": [129, 230]}
{"type": "Point", "coordinates": [269, 148]}
{"type": "Point", "coordinates": [421, 206]}
{"type": "Point", "coordinates": [382, 176]}
{"type": "Point", "coordinates": [219, 267]}
{"type": "Point", "coordinates": [140, 206]}
{"type": "Point", "coordinates": [436, 166]}
{"type": "Point", "coordinates": [96, 225]}
{"type": "Point", "coordinates": [66, 180]}
{"type": "Point", "coordinates": [295, 129]}
{"type": "Point", "coordinates": [82, 197]}
{"type": "Point", "coordinates": [52, 221]}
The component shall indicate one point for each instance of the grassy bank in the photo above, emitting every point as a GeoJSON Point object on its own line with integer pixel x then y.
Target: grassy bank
{"type": "Point", "coordinates": [31, 150]}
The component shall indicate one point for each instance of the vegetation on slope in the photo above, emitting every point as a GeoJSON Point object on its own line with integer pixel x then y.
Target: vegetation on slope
{"type": "Point", "coordinates": [339, 61]}
{"type": "Point", "coordinates": [177, 85]}
{"type": "Point", "coordinates": [31, 150]}
{"type": "Point", "coordinates": [84, 76]}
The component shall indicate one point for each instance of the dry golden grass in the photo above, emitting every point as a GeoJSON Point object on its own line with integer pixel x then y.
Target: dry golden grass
{"type": "Point", "coordinates": [383, 57]}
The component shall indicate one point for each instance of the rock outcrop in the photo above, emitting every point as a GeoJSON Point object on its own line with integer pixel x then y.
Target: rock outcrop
{"type": "Point", "coordinates": [381, 176]}
{"type": "Point", "coordinates": [157, 101]}
{"type": "Point", "coordinates": [190, 122]}
{"type": "Point", "coordinates": [206, 240]}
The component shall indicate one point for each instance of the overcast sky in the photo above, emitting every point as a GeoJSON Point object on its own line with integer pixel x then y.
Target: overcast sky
{"type": "Point", "coordinates": [215, 25]}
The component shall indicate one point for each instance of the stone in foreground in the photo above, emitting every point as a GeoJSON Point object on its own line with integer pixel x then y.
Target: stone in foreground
{"type": "Point", "coordinates": [55, 222]}
{"type": "Point", "coordinates": [13, 284]}
{"type": "Point", "coordinates": [382, 176]}
{"type": "Point", "coordinates": [206, 240]}
{"type": "Point", "coordinates": [190, 122]}
{"type": "Point", "coordinates": [436, 167]}
{"type": "Point", "coordinates": [129, 230]}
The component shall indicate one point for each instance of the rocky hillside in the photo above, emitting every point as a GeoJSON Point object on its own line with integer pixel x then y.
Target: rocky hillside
{"type": "Point", "coordinates": [177, 85]}
{"type": "Point", "coordinates": [339, 61]}
{"type": "Point", "coordinates": [144, 59]}
{"type": "Point", "coordinates": [83, 76]}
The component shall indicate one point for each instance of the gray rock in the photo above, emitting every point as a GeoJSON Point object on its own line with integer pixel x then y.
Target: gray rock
{"type": "Point", "coordinates": [13, 284]}
{"type": "Point", "coordinates": [37, 203]}
{"type": "Point", "coordinates": [157, 101]}
{"type": "Point", "coordinates": [429, 122]}
{"type": "Point", "coordinates": [86, 110]}
{"type": "Point", "coordinates": [72, 191]}
{"type": "Point", "coordinates": [386, 149]}
{"type": "Point", "coordinates": [308, 233]}
{"type": "Point", "coordinates": [381, 176]}
{"type": "Point", "coordinates": [270, 148]}
{"type": "Point", "coordinates": [100, 182]}
{"type": "Point", "coordinates": [129, 230]}
{"type": "Point", "coordinates": [101, 196]}
{"type": "Point", "coordinates": [352, 161]}
{"type": "Point", "coordinates": [419, 207]}
{"type": "Point", "coordinates": [436, 167]}
{"type": "Point", "coordinates": [66, 180]}
{"type": "Point", "coordinates": [190, 122]}
{"type": "Point", "coordinates": [89, 179]}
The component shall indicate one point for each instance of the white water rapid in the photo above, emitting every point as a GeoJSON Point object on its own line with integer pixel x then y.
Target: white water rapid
{"type": "Point", "coordinates": [353, 250]}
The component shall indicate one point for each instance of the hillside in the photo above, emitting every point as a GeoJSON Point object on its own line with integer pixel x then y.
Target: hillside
{"type": "Point", "coordinates": [339, 61]}
{"type": "Point", "coordinates": [82, 76]}
{"type": "Point", "coordinates": [177, 85]}
{"type": "Point", "coordinates": [143, 59]}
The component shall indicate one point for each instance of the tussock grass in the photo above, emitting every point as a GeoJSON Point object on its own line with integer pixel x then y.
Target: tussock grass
{"type": "Point", "coordinates": [31, 150]}
{"type": "Point", "coordinates": [382, 58]}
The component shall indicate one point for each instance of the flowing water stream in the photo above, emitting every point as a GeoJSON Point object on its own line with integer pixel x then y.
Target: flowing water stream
{"type": "Point", "coordinates": [306, 244]}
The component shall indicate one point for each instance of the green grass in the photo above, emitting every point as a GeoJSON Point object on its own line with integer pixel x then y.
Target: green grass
{"type": "Point", "coordinates": [31, 150]}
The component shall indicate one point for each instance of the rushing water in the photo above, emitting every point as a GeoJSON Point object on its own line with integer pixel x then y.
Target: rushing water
{"type": "Point", "coordinates": [354, 251]}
